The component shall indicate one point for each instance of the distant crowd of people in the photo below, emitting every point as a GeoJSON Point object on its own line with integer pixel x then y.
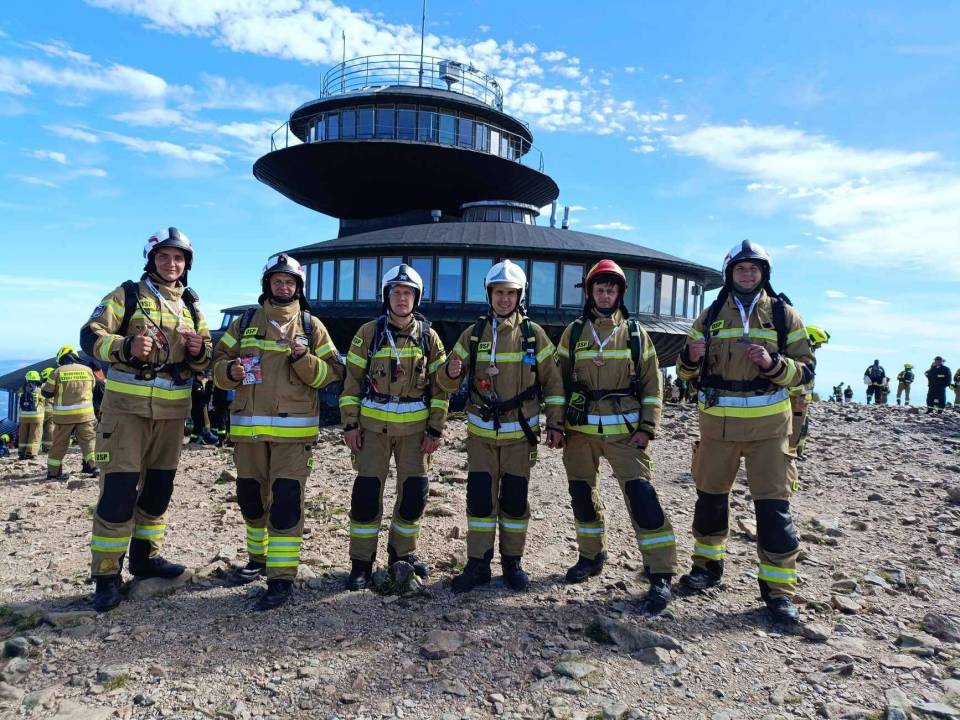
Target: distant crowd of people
{"type": "Point", "coordinates": [939, 380]}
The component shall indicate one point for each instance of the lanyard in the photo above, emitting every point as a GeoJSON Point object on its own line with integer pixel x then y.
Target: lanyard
{"type": "Point", "coordinates": [745, 315]}
{"type": "Point", "coordinates": [596, 338]}
{"type": "Point", "coordinates": [175, 310]}
{"type": "Point", "coordinates": [282, 329]}
{"type": "Point", "coordinates": [393, 345]}
{"type": "Point", "coordinates": [493, 344]}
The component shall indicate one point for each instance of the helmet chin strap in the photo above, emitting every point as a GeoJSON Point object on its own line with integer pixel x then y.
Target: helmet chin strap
{"type": "Point", "coordinates": [280, 301]}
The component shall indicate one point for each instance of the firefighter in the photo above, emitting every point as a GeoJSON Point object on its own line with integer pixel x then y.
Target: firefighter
{"type": "Point", "coordinates": [47, 436]}
{"type": "Point", "coordinates": [613, 389]}
{"type": "Point", "coordinates": [510, 364]}
{"type": "Point", "coordinates": [199, 415]}
{"type": "Point", "coordinates": [392, 406]}
{"type": "Point", "coordinates": [155, 339]}
{"type": "Point", "coordinates": [31, 416]}
{"type": "Point", "coordinates": [801, 397]}
{"type": "Point", "coordinates": [848, 393]}
{"type": "Point", "coordinates": [938, 378]}
{"type": "Point", "coordinates": [275, 357]}
{"type": "Point", "coordinates": [220, 413]}
{"type": "Point", "coordinates": [744, 351]}
{"type": "Point", "coordinates": [874, 377]}
{"type": "Point", "coordinates": [4, 445]}
{"type": "Point", "coordinates": [70, 388]}
{"type": "Point", "coordinates": [956, 390]}
{"type": "Point", "coordinates": [838, 393]}
{"type": "Point", "coordinates": [905, 379]}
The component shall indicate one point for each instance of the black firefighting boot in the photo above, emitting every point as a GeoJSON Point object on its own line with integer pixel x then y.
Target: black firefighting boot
{"type": "Point", "coordinates": [107, 594]}
{"type": "Point", "coordinates": [781, 608]}
{"type": "Point", "coordinates": [658, 594]}
{"type": "Point", "coordinates": [419, 567]}
{"type": "Point", "coordinates": [89, 469]}
{"type": "Point", "coordinates": [59, 474]}
{"type": "Point", "coordinates": [248, 573]}
{"type": "Point", "coordinates": [586, 568]}
{"type": "Point", "coordinates": [278, 592]}
{"type": "Point", "coordinates": [142, 565]}
{"type": "Point", "coordinates": [475, 572]}
{"type": "Point", "coordinates": [513, 575]}
{"type": "Point", "coordinates": [21, 454]}
{"type": "Point", "coordinates": [361, 574]}
{"type": "Point", "coordinates": [701, 578]}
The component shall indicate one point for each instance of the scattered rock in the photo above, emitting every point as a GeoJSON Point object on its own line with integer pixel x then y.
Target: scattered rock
{"type": "Point", "coordinates": [845, 604]}
{"type": "Point", "coordinates": [940, 710]}
{"type": "Point", "coordinates": [18, 647]}
{"type": "Point", "coordinates": [441, 643]}
{"type": "Point", "coordinates": [942, 626]}
{"type": "Point", "coordinates": [576, 669]}
{"type": "Point", "coordinates": [158, 587]}
{"type": "Point", "coordinates": [654, 656]}
{"type": "Point", "coordinates": [629, 638]}
{"type": "Point", "coordinates": [70, 618]}
{"type": "Point", "coordinates": [815, 632]}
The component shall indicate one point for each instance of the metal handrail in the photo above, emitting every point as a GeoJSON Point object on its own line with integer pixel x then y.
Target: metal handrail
{"type": "Point", "coordinates": [376, 71]}
{"type": "Point", "coordinates": [511, 147]}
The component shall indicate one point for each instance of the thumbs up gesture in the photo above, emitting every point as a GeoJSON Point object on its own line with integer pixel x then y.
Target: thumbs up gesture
{"type": "Point", "coordinates": [142, 345]}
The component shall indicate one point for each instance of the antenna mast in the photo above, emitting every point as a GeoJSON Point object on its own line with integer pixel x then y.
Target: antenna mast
{"type": "Point", "coordinates": [423, 24]}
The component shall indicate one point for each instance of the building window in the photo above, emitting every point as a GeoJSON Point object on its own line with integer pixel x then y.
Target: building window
{"type": "Point", "coordinates": [333, 126]}
{"type": "Point", "coordinates": [386, 121]}
{"type": "Point", "coordinates": [348, 124]}
{"type": "Point", "coordinates": [407, 122]}
{"type": "Point", "coordinates": [570, 294]}
{"type": "Point", "coordinates": [494, 145]}
{"type": "Point", "coordinates": [476, 271]}
{"type": "Point", "coordinates": [427, 125]}
{"type": "Point", "coordinates": [631, 297]}
{"type": "Point", "coordinates": [692, 295]}
{"type": "Point", "coordinates": [367, 280]}
{"type": "Point", "coordinates": [365, 122]}
{"type": "Point", "coordinates": [450, 279]}
{"type": "Point", "coordinates": [424, 266]}
{"type": "Point", "coordinates": [465, 132]}
{"type": "Point", "coordinates": [388, 262]}
{"type": "Point", "coordinates": [448, 129]}
{"type": "Point", "coordinates": [313, 278]}
{"type": "Point", "coordinates": [666, 294]}
{"type": "Point", "coordinates": [326, 280]}
{"type": "Point", "coordinates": [481, 139]}
{"type": "Point", "coordinates": [543, 286]}
{"type": "Point", "coordinates": [345, 284]}
{"type": "Point", "coordinates": [648, 292]}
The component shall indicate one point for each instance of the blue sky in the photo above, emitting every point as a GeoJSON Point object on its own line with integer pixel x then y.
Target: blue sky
{"type": "Point", "coordinates": [826, 131]}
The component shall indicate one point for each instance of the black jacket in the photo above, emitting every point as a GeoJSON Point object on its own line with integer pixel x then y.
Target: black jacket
{"type": "Point", "coordinates": [938, 377]}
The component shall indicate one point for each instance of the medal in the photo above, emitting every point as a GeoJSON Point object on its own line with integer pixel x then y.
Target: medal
{"type": "Point", "coordinates": [599, 361]}
{"type": "Point", "coordinates": [493, 370]}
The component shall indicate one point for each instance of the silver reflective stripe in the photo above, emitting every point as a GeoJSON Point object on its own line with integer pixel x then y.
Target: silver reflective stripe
{"type": "Point", "coordinates": [505, 427]}
{"type": "Point", "coordinates": [749, 401]}
{"type": "Point", "coordinates": [657, 540]}
{"type": "Point", "coordinates": [513, 525]}
{"type": "Point", "coordinates": [272, 421]}
{"type": "Point", "coordinates": [160, 382]}
{"type": "Point", "coordinates": [395, 407]}
{"type": "Point", "coordinates": [618, 419]}
{"type": "Point", "coordinates": [79, 406]}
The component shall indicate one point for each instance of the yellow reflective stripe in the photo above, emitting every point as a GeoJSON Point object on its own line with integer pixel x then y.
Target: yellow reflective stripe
{"type": "Point", "coordinates": [502, 357]}
{"type": "Point", "coordinates": [349, 400]}
{"type": "Point", "coordinates": [106, 344]}
{"type": "Point", "coordinates": [364, 530]}
{"type": "Point", "coordinates": [114, 307]}
{"type": "Point", "coordinates": [656, 540]}
{"type": "Point", "coordinates": [325, 349]}
{"type": "Point", "coordinates": [73, 375]}
{"type": "Point", "coordinates": [746, 412]}
{"type": "Point", "coordinates": [796, 336]}
{"type": "Point", "coordinates": [545, 354]}
{"type": "Point", "coordinates": [774, 574]}
{"type": "Point", "coordinates": [513, 526]}
{"type": "Point", "coordinates": [308, 431]}
{"type": "Point", "coordinates": [149, 532]}
{"type": "Point", "coordinates": [387, 416]}
{"type": "Point", "coordinates": [615, 429]}
{"type": "Point", "coordinates": [554, 400]}
{"type": "Point", "coordinates": [441, 359]}
{"type": "Point", "coordinates": [360, 362]}
{"type": "Point", "coordinates": [493, 434]}
{"type": "Point", "coordinates": [405, 529]}
{"type": "Point", "coordinates": [695, 334]}
{"type": "Point", "coordinates": [711, 552]}
{"type": "Point", "coordinates": [755, 334]}
{"type": "Point", "coordinates": [623, 354]}
{"type": "Point", "coordinates": [481, 524]}
{"type": "Point", "coordinates": [458, 349]}
{"type": "Point", "coordinates": [590, 528]}
{"type": "Point", "coordinates": [563, 351]}
{"type": "Point", "coordinates": [228, 340]}
{"type": "Point", "coordinates": [650, 352]}
{"type": "Point", "coordinates": [441, 404]}
{"type": "Point", "coordinates": [164, 317]}
{"type": "Point", "coordinates": [321, 373]}
{"type": "Point", "coordinates": [266, 345]}
{"type": "Point", "coordinates": [146, 390]}
{"type": "Point", "coordinates": [651, 400]}
{"type": "Point", "coordinates": [103, 543]}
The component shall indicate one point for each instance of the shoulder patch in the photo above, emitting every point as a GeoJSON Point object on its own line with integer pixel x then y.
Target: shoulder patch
{"type": "Point", "coordinates": [251, 331]}
{"type": "Point", "coordinates": [357, 340]}
{"type": "Point", "coordinates": [582, 344]}
{"type": "Point", "coordinates": [718, 325]}
{"type": "Point", "coordinates": [484, 345]}
{"type": "Point", "coordinates": [97, 311]}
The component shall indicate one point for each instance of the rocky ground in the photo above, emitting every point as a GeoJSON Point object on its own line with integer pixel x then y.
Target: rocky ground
{"type": "Point", "coordinates": [880, 589]}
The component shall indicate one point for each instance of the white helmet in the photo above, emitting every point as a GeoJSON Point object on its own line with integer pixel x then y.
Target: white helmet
{"type": "Point", "coordinates": [168, 237]}
{"type": "Point", "coordinates": [286, 264]}
{"type": "Point", "coordinates": [746, 250]}
{"type": "Point", "coordinates": [402, 274]}
{"type": "Point", "coordinates": [509, 274]}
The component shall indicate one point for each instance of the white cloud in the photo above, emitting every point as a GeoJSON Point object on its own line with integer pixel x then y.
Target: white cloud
{"type": "Point", "coordinates": [644, 149]}
{"type": "Point", "coordinates": [554, 55]}
{"type": "Point", "coordinates": [204, 154]}
{"type": "Point", "coordinates": [33, 180]}
{"type": "Point", "coordinates": [89, 172]}
{"type": "Point", "coordinates": [46, 283]}
{"type": "Point", "coordinates": [871, 301]}
{"type": "Point", "coordinates": [150, 117]}
{"type": "Point", "coordinates": [835, 294]}
{"type": "Point", "coordinates": [73, 133]}
{"type": "Point", "coordinates": [18, 75]}
{"type": "Point", "coordinates": [615, 225]}
{"type": "Point", "coordinates": [57, 157]}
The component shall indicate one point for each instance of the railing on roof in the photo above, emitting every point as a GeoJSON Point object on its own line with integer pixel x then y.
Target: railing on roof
{"type": "Point", "coordinates": [377, 71]}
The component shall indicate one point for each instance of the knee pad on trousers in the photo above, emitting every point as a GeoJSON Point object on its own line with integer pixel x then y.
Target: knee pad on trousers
{"type": "Point", "coordinates": [479, 494]}
{"type": "Point", "coordinates": [119, 497]}
{"type": "Point", "coordinates": [248, 497]}
{"type": "Point", "coordinates": [644, 504]}
{"type": "Point", "coordinates": [285, 510]}
{"type": "Point", "coordinates": [711, 514]}
{"type": "Point", "coordinates": [157, 491]}
{"type": "Point", "coordinates": [413, 498]}
{"type": "Point", "coordinates": [775, 530]}
{"type": "Point", "coordinates": [365, 499]}
{"type": "Point", "coordinates": [581, 500]}
{"type": "Point", "coordinates": [513, 495]}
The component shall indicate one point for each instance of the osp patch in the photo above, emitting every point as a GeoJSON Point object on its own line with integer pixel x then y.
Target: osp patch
{"type": "Point", "coordinates": [101, 457]}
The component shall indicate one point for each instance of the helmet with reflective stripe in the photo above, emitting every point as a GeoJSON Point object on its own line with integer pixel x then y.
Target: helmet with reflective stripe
{"type": "Point", "coordinates": [66, 354]}
{"type": "Point", "coordinates": [4, 438]}
{"type": "Point", "coordinates": [402, 274]}
{"type": "Point", "coordinates": [817, 335]}
{"type": "Point", "coordinates": [907, 366]}
{"type": "Point", "coordinates": [508, 274]}
{"type": "Point", "coordinates": [746, 250]}
{"type": "Point", "coordinates": [605, 271]}
{"type": "Point", "coordinates": [172, 238]}
{"type": "Point", "coordinates": [284, 263]}
{"type": "Point", "coordinates": [46, 373]}
{"type": "Point", "coordinates": [32, 375]}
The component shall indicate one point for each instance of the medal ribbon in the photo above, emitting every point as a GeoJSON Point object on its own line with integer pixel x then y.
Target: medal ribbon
{"type": "Point", "coordinates": [596, 338]}
{"type": "Point", "coordinates": [493, 344]}
{"type": "Point", "coordinates": [745, 314]}
{"type": "Point", "coordinates": [175, 310]}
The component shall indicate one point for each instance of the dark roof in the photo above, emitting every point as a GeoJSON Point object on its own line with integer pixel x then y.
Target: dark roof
{"type": "Point", "coordinates": [14, 379]}
{"type": "Point", "coordinates": [527, 240]}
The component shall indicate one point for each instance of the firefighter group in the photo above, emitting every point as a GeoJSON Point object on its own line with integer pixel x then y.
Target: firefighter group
{"type": "Point", "coordinates": [748, 361]}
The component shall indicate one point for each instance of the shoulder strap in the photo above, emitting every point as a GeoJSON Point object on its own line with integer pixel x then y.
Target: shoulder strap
{"type": "Point", "coordinates": [476, 333]}
{"type": "Point", "coordinates": [426, 347]}
{"type": "Point", "coordinates": [377, 339]}
{"type": "Point", "coordinates": [576, 330]}
{"type": "Point", "coordinates": [780, 322]}
{"type": "Point", "coordinates": [306, 318]}
{"type": "Point", "coordinates": [636, 346]}
{"type": "Point", "coordinates": [190, 299]}
{"type": "Point", "coordinates": [131, 295]}
{"type": "Point", "coordinates": [530, 343]}
{"type": "Point", "coordinates": [245, 321]}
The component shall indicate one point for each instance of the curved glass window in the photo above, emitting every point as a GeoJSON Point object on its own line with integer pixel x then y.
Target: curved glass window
{"type": "Point", "coordinates": [448, 129]}
{"type": "Point", "coordinates": [631, 299]}
{"type": "Point", "coordinates": [465, 133]}
{"type": "Point", "coordinates": [386, 121]}
{"type": "Point", "coordinates": [648, 289]}
{"type": "Point", "coordinates": [345, 287]}
{"type": "Point", "coordinates": [449, 279]}
{"type": "Point", "coordinates": [326, 280]}
{"type": "Point", "coordinates": [348, 124]}
{"type": "Point", "coordinates": [543, 283]}
{"type": "Point", "coordinates": [365, 122]}
{"type": "Point", "coordinates": [666, 294]}
{"type": "Point", "coordinates": [333, 126]}
{"type": "Point", "coordinates": [570, 294]}
{"type": "Point", "coordinates": [313, 278]}
{"type": "Point", "coordinates": [407, 122]}
{"type": "Point", "coordinates": [367, 285]}
{"type": "Point", "coordinates": [427, 125]}
{"type": "Point", "coordinates": [476, 271]}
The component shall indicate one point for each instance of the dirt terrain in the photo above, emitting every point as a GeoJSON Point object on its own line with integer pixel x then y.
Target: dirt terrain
{"type": "Point", "coordinates": [879, 586]}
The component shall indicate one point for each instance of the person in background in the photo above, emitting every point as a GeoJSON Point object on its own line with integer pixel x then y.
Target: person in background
{"type": "Point", "coordinates": [938, 378]}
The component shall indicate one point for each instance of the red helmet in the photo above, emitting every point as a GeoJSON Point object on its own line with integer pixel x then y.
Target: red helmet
{"type": "Point", "coordinates": [607, 268]}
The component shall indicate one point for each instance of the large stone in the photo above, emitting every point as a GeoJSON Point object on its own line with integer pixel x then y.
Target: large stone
{"type": "Point", "coordinates": [654, 656]}
{"type": "Point", "coordinates": [17, 647]}
{"type": "Point", "coordinates": [11, 693]}
{"type": "Point", "coordinates": [916, 639]}
{"type": "Point", "coordinates": [113, 673]}
{"type": "Point", "coordinates": [942, 626]}
{"type": "Point", "coordinates": [816, 632]}
{"type": "Point", "coordinates": [940, 710]}
{"type": "Point", "coordinates": [441, 643]}
{"type": "Point", "coordinates": [70, 618]}
{"type": "Point", "coordinates": [629, 638]}
{"type": "Point", "coordinates": [158, 587]}
{"type": "Point", "coordinates": [576, 669]}
{"type": "Point", "coordinates": [845, 604]}
{"type": "Point", "coordinates": [902, 662]}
